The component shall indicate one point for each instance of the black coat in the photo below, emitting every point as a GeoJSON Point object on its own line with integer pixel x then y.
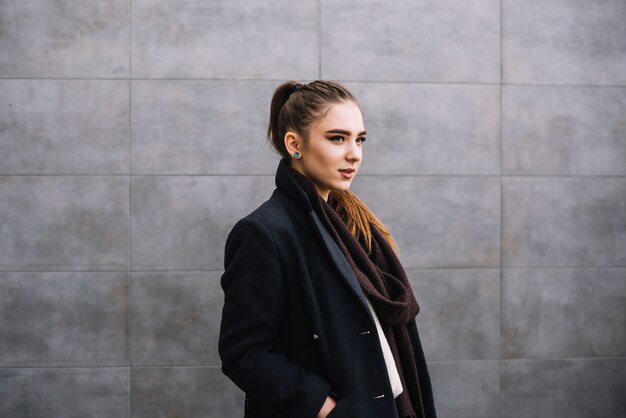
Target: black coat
{"type": "Point", "coordinates": [295, 325]}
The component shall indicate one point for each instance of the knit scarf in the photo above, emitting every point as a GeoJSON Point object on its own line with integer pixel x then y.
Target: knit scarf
{"type": "Point", "coordinates": [386, 285]}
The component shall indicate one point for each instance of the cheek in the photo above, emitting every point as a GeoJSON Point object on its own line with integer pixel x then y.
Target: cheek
{"type": "Point", "coordinates": [324, 156]}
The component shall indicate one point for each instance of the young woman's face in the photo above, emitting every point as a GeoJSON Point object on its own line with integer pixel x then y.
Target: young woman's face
{"type": "Point", "coordinates": [332, 154]}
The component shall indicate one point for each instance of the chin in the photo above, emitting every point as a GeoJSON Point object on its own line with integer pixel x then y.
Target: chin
{"type": "Point", "coordinates": [342, 186]}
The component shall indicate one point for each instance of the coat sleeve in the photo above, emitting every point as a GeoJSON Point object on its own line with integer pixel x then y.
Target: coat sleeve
{"type": "Point", "coordinates": [254, 301]}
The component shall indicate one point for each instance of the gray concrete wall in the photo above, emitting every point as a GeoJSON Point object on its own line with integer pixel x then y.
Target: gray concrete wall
{"type": "Point", "coordinates": [132, 139]}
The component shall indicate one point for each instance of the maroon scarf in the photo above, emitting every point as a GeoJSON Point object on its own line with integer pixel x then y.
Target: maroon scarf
{"type": "Point", "coordinates": [386, 285]}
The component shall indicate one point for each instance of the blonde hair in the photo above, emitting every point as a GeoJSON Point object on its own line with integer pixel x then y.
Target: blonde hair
{"type": "Point", "coordinates": [358, 218]}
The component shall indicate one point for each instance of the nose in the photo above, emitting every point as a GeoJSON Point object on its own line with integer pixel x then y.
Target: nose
{"type": "Point", "coordinates": [354, 152]}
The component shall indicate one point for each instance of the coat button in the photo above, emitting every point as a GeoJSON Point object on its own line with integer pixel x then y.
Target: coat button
{"type": "Point", "coordinates": [315, 336]}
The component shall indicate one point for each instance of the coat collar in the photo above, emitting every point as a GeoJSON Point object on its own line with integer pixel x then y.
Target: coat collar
{"type": "Point", "coordinates": [287, 184]}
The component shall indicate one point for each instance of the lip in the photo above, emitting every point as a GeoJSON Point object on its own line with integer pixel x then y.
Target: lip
{"type": "Point", "coordinates": [347, 173]}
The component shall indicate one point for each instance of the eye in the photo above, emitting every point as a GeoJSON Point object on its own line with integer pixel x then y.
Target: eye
{"type": "Point", "coordinates": [361, 139]}
{"type": "Point", "coordinates": [336, 138]}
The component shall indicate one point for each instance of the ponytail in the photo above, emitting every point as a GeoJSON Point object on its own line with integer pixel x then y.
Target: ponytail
{"type": "Point", "coordinates": [358, 218]}
{"type": "Point", "coordinates": [275, 134]}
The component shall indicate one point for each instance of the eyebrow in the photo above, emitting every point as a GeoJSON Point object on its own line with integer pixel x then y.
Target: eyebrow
{"type": "Point", "coordinates": [344, 132]}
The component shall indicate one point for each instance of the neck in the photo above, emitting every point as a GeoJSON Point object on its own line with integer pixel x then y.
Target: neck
{"type": "Point", "coordinates": [323, 193]}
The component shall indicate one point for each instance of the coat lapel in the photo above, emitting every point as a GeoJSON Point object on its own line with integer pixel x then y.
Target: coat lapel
{"type": "Point", "coordinates": [286, 183]}
{"type": "Point", "coordinates": [339, 259]}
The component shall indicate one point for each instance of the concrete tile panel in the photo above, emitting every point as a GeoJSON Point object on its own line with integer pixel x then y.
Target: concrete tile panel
{"type": "Point", "coordinates": [564, 130]}
{"type": "Point", "coordinates": [65, 392]}
{"type": "Point", "coordinates": [64, 39]}
{"type": "Point", "coordinates": [451, 40]}
{"type": "Point", "coordinates": [225, 39]}
{"type": "Point", "coordinates": [190, 392]}
{"type": "Point", "coordinates": [466, 388]}
{"type": "Point", "coordinates": [564, 222]}
{"type": "Point", "coordinates": [574, 388]}
{"type": "Point", "coordinates": [64, 127]}
{"type": "Point", "coordinates": [553, 313]}
{"type": "Point", "coordinates": [438, 221]}
{"type": "Point", "coordinates": [564, 42]}
{"type": "Point", "coordinates": [176, 318]}
{"type": "Point", "coordinates": [181, 222]}
{"type": "Point", "coordinates": [67, 319]}
{"type": "Point", "coordinates": [460, 313]}
{"type": "Point", "coordinates": [430, 128]}
{"type": "Point", "coordinates": [64, 222]}
{"type": "Point", "coordinates": [202, 127]}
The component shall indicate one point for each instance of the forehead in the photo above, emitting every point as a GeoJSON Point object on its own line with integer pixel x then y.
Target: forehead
{"type": "Point", "coordinates": [345, 115]}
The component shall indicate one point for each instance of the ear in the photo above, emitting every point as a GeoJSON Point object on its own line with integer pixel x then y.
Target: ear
{"type": "Point", "coordinates": [293, 143]}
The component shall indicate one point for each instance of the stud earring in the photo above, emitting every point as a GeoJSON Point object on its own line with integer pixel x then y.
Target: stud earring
{"type": "Point", "coordinates": [296, 154]}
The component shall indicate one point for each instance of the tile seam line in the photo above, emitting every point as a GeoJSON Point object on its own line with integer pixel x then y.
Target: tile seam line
{"type": "Point", "coordinates": [578, 358]}
{"type": "Point", "coordinates": [461, 268]}
{"type": "Point", "coordinates": [319, 39]}
{"type": "Point", "coordinates": [563, 267]}
{"type": "Point", "coordinates": [112, 366]}
{"type": "Point", "coordinates": [217, 366]}
{"type": "Point", "coordinates": [495, 175]}
{"type": "Point", "coordinates": [79, 366]}
{"type": "Point", "coordinates": [130, 193]}
{"type": "Point", "coordinates": [529, 359]}
{"type": "Point", "coordinates": [64, 271]}
{"type": "Point", "coordinates": [417, 82]}
{"type": "Point", "coordinates": [251, 80]}
{"type": "Point", "coordinates": [501, 237]}
{"type": "Point", "coordinates": [617, 267]}
{"type": "Point", "coordinates": [113, 271]}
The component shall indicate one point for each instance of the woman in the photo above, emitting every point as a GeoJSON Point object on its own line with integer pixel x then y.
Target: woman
{"type": "Point", "coordinates": [319, 317]}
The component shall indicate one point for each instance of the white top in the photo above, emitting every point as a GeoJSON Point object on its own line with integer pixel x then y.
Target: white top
{"type": "Point", "coordinates": [394, 377]}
